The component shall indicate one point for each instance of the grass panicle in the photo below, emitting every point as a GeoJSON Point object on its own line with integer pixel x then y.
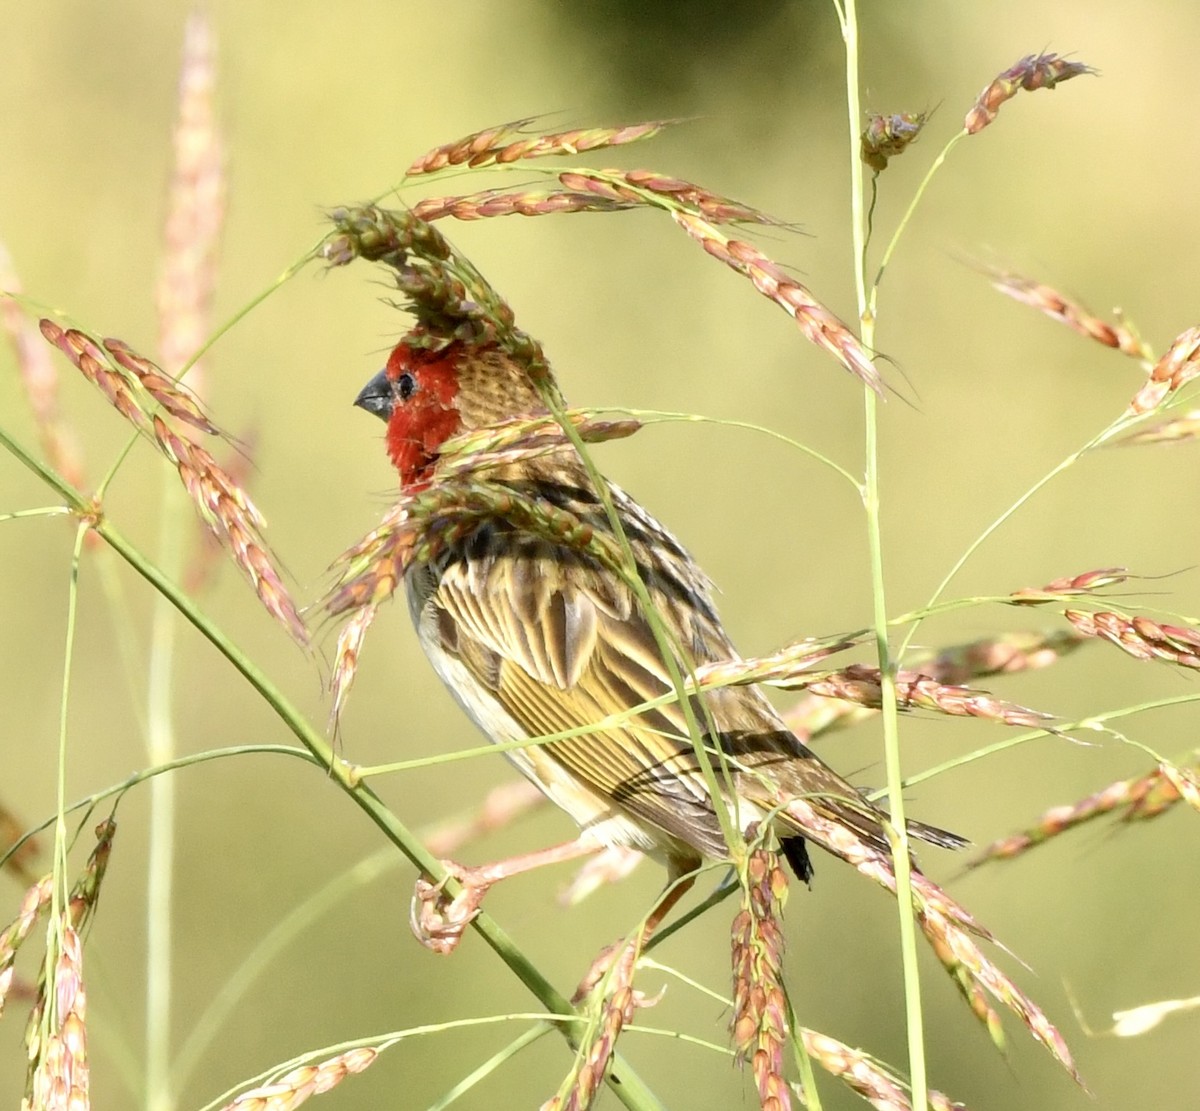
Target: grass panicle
{"type": "Point", "coordinates": [1180, 364]}
{"type": "Point", "coordinates": [1033, 72]}
{"type": "Point", "coordinates": [582, 1084]}
{"type": "Point", "coordinates": [818, 325]}
{"type": "Point", "coordinates": [760, 1025]}
{"type": "Point", "coordinates": [955, 665]}
{"type": "Point", "coordinates": [1174, 430]}
{"type": "Point", "coordinates": [300, 1084]}
{"type": "Point", "coordinates": [420, 524]}
{"type": "Point", "coordinates": [56, 1036]}
{"type": "Point", "coordinates": [1140, 637]}
{"type": "Point", "coordinates": [1062, 308]}
{"type": "Point", "coordinates": [449, 298]}
{"type": "Point", "coordinates": [39, 379]}
{"type": "Point", "coordinates": [35, 900]}
{"type": "Point", "coordinates": [345, 660]}
{"type": "Point", "coordinates": [949, 927]}
{"type": "Point", "coordinates": [1072, 586]}
{"type": "Point", "coordinates": [508, 143]}
{"type": "Point", "coordinates": [865, 1076]}
{"type": "Point", "coordinates": [1141, 798]}
{"type": "Point", "coordinates": [862, 685]}
{"type": "Point", "coordinates": [195, 208]}
{"type": "Point", "coordinates": [141, 393]}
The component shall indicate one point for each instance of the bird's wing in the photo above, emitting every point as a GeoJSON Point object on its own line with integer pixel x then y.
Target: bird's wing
{"type": "Point", "coordinates": [564, 652]}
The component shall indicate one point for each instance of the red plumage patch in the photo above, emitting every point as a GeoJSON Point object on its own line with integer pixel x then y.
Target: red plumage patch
{"type": "Point", "coordinates": [423, 421]}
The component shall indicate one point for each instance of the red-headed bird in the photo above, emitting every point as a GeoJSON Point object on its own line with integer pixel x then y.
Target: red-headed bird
{"type": "Point", "coordinates": [535, 638]}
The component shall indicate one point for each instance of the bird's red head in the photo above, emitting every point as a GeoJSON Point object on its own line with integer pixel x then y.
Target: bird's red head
{"type": "Point", "coordinates": [427, 396]}
{"type": "Point", "coordinates": [417, 394]}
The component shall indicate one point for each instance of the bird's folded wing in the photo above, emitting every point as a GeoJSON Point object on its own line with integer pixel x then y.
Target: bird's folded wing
{"type": "Point", "coordinates": [560, 656]}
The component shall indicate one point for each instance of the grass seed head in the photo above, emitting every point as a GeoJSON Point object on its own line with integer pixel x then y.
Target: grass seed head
{"type": "Point", "coordinates": [1180, 364]}
{"type": "Point", "coordinates": [39, 379]}
{"type": "Point", "coordinates": [295, 1087]}
{"type": "Point", "coordinates": [1059, 307]}
{"type": "Point", "coordinates": [1034, 71]}
{"type": "Point", "coordinates": [818, 325]}
{"type": "Point", "coordinates": [195, 206]}
{"type": "Point", "coordinates": [509, 143]}
{"type": "Point", "coordinates": [759, 1025]}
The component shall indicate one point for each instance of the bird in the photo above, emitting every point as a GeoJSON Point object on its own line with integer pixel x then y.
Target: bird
{"type": "Point", "coordinates": [536, 637]}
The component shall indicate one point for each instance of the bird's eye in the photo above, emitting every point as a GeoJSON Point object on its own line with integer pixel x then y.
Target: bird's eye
{"type": "Point", "coordinates": [406, 386]}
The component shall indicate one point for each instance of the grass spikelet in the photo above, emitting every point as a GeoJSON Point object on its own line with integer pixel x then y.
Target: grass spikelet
{"type": "Point", "coordinates": [80, 904]}
{"type": "Point", "coordinates": [1180, 364]}
{"type": "Point", "coordinates": [760, 1013]}
{"type": "Point", "coordinates": [295, 1087]}
{"type": "Point", "coordinates": [489, 203]}
{"type": "Point", "coordinates": [195, 206]}
{"type": "Point", "coordinates": [1059, 307]}
{"type": "Point", "coordinates": [370, 571]}
{"type": "Point", "coordinates": [176, 398]}
{"type": "Point", "coordinates": [886, 137]}
{"type": "Point", "coordinates": [649, 187]}
{"type": "Point", "coordinates": [1176, 430]}
{"type": "Point", "coordinates": [1034, 71]}
{"type": "Point", "coordinates": [817, 323]}
{"type": "Point", "coordinates": [784, 669]}
{"type": "Point", "coordinates": [234, 521]}
{"type": "Point", "coordinates": [450, 299]}
{"type": "Point", "coordinates": [419, 525]}
{"type": "Point", "coordinates": [861, 684]}
{"type": "Point", "coordinates": [1001, 655]}
{"type": "Point", "coordinates": [865, 1076]}
{"type": "Point", "coordinates": [1142, 798]}
{"type": "Point", "coordinates": [507, 143]}
{"type": "Point", "coordinates": [501, 444]}
{"type": "Point", "coordinates": [1185, 781]}
{"type": "Point", "coordinates": [1072, 586]}
{"type": "Point", "coordinates": [815, 714]}
{"type": "Point", "coordinates": [345, 661]}
{"type": "Point", "coordinates": [582, 1084]}
{"type": "Point", "coordinates": [479, 144]}
{"type": "Point", "coordinates": [1140, 637]}
{"type": "Point", "coordinates": [36, 899]}
{"type": "Point", "coordinates": [58, 1064]}
{"type": "Point", "coordinates": [39, 379]}
{"type": "Point", "coordinates": [947, 925]}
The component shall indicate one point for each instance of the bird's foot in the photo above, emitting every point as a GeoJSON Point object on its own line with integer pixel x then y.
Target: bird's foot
{"type": "Point", "coordinates": [438, 920]}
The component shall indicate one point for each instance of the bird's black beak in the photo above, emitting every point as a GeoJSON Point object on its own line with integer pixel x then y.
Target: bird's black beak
{"type": "Point", "coordinates": [377, 397]}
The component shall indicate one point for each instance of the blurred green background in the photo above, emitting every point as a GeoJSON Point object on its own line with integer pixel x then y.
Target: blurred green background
{"type": "Point", "coordinates": [1091, 188]}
